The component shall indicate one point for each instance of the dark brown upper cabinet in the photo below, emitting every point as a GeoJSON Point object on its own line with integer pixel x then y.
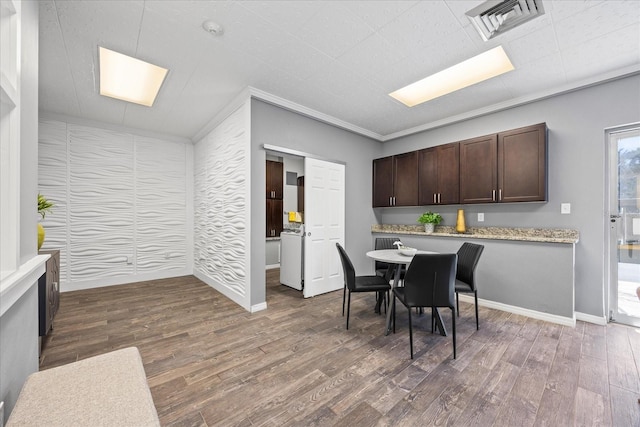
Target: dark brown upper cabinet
{"type": "Point", "coordinates": [439, 175]}
{"type": "Point", "coordinates": [522, 164]}
{"type": "Point", "coordinates": [395, 180]}
{"type": "Point", "coordinates": [479, 169]}
{"type": "Point", "coordinates": [508, 167]}
{"type": "Point", "coordinates": [274, 179]}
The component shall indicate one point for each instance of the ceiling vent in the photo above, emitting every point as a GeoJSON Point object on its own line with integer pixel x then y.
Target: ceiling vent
{"type": "Point", "coordinates": [494, 17]}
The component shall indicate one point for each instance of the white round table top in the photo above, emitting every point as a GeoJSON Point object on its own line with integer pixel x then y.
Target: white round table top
{"type": "Point", "coordinates": [393, 256]}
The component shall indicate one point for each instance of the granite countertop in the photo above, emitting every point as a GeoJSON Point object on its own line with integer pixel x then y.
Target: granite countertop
{"type": "Point", "coordinates": [548, 235]}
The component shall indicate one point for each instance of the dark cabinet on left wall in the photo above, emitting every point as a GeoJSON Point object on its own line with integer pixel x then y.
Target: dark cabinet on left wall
{"type": "Point", "coordinates": [275, 181]}
{"type": "Point", "coordinates": [395, 180]}
{"type": "Point", "coordinates": [49, 292]}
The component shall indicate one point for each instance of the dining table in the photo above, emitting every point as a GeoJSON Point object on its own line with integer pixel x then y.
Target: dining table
{"type": "Point", "coordinates": [396, 260]}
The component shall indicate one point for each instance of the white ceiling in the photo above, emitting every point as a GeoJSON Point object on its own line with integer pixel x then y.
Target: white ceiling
{"type": "Point", "coordinates": [339, 58]}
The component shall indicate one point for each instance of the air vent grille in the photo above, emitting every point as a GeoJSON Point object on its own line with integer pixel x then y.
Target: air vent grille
{"type": "Point", "coordinates": [494, 17]}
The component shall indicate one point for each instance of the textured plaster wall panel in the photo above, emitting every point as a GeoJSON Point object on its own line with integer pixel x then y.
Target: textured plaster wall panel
{"type": "Point", "coordinates": [101, 203]}
{"type": "Point", "coordinates": [221, 191]}
{"type": "Point", "coordinates": [121, 203]}
{"type": "Point", "coordinates": [161, 203]}
{"type": "Point", "coordinates": [52, 183]}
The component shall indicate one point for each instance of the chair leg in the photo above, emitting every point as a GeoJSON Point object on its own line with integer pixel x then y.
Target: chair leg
{"type": "Point", "coordinates": [410, 334]}
{"type": "Point", "coordinates": [457, 305]}
{"type": "Point", "coordinates": [344, 292]}
{"type": "Point", "coordinates": [453, 331]}
{"type": "Point", "coordinates": [477, 322]}
{"type": "Point", "coordinates": [348, 308]}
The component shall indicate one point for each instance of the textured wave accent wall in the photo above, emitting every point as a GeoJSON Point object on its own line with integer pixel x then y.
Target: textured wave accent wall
{"type": "Point", "coordinates": [101, 203]}
{"type": "Point", "coordinates": [52, 183]}
{"type": "Point", "coordinates": [161, 205]}
{"type": "Point", "coordinates": [121, 203]}
{"type": "Point", "coordinates": [221, 189]}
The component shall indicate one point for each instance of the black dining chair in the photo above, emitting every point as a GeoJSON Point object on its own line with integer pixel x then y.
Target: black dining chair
{"type": "Point", "coordinates": [429, 282]}
{"type": "Point", "coordinates": [384, 243]}
{"type": "Point", "coordinates": [353, 283]}
{"type": "Point", "coordinates": [468, 257]}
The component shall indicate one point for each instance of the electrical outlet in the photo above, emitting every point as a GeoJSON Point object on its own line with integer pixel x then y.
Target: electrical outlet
{"type": "Point", "coordinates": [480, 217]}
{"type": "Point", "coordinates": [565, 208]}
{"type": "Point", "coordinates": [129, 260]}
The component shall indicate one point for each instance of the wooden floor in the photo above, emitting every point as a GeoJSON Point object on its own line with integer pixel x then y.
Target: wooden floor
{"type": "Point", "coordinates": [209, 362]}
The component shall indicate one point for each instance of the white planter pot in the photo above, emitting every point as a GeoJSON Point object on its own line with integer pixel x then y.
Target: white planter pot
{"type": "Point", "coordinates": [429, 227]}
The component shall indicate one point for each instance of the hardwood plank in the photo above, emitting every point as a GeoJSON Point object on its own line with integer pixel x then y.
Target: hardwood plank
{"type": "Point", "coordinates": [209, 362]}
{"type": "Point", "coordinates": [591, 409]}
{"type": "Point", "coordinates": [625, 409]}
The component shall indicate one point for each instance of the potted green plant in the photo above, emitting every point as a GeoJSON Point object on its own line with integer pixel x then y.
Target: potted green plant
{"type": "Point", "coordinates": [430, 220]}
{"type": "Point", "coordinates": [44, 206]}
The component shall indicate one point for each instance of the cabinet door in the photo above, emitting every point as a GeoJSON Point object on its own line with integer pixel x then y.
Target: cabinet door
{"type": "Point", "coordinates": [405, 179]}
{"type": "Point", "coordinates": [427, 176]}
{"type": "Point", "coordinates": [300, 183]}
{"type": "Point", "coordinates": [274, 180]}
{"type": "Point", "coordinates": [478, 169]}
{"type": "Point", "coordinates": [274, 217]}
{"type": "Point", "coordinates": [448, 174]}
{"type": "Point", "coordinates": [522, 169]}
{"type": "Point", "coordinates": [382, 182]}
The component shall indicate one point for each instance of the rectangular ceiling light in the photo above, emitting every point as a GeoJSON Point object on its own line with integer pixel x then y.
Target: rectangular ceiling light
{"type": "Point", "coordinates": [474, 70]}
{"type": "Point", "coordinates": [129, 79]}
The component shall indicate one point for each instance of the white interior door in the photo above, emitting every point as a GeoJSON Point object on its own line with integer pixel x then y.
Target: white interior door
{"type": "Point", "coordinates": [324, 219]}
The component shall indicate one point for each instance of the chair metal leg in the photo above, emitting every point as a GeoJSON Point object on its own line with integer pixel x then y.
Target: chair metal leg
{"type": "Point", "coordinates": [453, 328]}
{"type": "Point", "coordinates": [344, 292]}
{"type": "Point", "coordinates": [348, 308]}
{"type": "Point", "coordinates": [457, 305]}
{"type": "Point", "coordinates": [410, 334]}
{"type": "Point", "coordinates": [477, 322]}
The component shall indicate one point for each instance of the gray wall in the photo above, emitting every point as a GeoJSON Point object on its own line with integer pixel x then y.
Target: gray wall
{"type": "Point", "coordinates": [18, 347]}
{"type": "Point", "coordinates": [19, 324]}
{"type": "Point", "coordinates": [577, 147]}
{"type": "Point", "coordinates": [276, 126]}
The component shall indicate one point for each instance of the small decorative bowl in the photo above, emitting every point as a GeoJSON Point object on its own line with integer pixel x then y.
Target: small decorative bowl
{"type": "Point", "coordinates": [407, 251]}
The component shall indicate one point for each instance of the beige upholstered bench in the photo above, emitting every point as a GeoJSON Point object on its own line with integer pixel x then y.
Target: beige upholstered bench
{"type": "Point", "coordinates": [106, 390]}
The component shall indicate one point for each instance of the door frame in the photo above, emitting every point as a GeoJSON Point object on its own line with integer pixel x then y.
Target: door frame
{"type": "Point", "coordinates": [611, 246]}
{"type": "Point", "coordinates": [288, 151]}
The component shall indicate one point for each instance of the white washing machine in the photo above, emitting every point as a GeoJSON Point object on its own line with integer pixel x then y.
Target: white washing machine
{"type": "Point", "coordinates": [291, 259]}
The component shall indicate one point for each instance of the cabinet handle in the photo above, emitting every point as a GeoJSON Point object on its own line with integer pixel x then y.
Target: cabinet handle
{"type": "Point", "coordinates": [394, 200]}
{"type": "Point", "coordinates": [439, 198]}
{"type": "Point", "coordinates": [493, 195]}
{"type": "Point", "coordinates": [500, 195]}
{"type": "Point", "coordinates": [434, 198]}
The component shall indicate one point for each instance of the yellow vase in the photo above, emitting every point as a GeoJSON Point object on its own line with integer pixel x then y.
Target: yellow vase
{"type": "Point", "coordinates": [460, 226]}
{"type": "Point", "coordinates": [40, 235]}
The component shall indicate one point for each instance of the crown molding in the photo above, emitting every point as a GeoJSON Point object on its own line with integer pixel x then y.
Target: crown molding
{"type": "Point", "coordinates": [314, 114]}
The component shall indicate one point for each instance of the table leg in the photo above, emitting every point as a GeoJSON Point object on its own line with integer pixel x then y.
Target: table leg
{"type": "Point", "coordinates": [396, 280]}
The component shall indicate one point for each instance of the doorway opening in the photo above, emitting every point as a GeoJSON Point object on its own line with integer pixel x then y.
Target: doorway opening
{"type": "Point", "coordinates": [322, 223]}
{"type": "Point", "coordinates": [624, 224]}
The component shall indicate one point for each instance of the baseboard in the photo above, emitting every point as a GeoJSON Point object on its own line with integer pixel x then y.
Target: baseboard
{"type": "Point", "coordinates": [590, 318]}
{"type": "Point", "coordinates": [272, 266]}
{"type": "Point", "coordinates": [553, 318]}
{"type": "Point", "coordinates": [122, 280]}
{"type": "Point", "coordinates": [259, 307]}
{"type": "Point", "coordinates": [224, 290]}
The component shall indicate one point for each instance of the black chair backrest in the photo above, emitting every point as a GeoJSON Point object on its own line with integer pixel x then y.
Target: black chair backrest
{"type": "Point", "coordinates": [430, 281]}
{"type": "Point", "coordinates": [384, 243]}
{"type": "Point", "coordinates": [347, 267]}
{"type": "Point", "coordinates": [468, 256]}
